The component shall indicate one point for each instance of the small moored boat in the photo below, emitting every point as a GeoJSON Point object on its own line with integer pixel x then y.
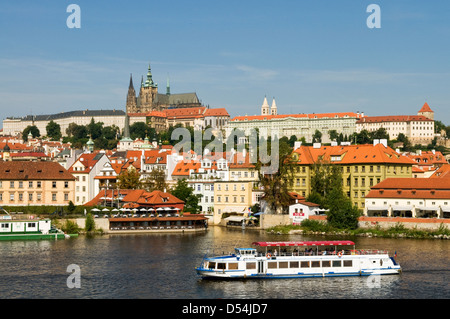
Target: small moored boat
{"type": "Point", "coordinates": [299, 259]}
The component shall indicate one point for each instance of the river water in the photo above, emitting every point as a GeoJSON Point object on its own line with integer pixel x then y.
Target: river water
{"type": "Point", "coordinates": [161, 266]}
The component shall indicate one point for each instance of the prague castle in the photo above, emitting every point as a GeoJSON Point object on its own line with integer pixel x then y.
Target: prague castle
{"type": "Point", "coordinates": [150, 100]}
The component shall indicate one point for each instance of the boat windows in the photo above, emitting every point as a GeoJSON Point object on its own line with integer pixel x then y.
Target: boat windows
{"type": "Point", "coordinates": [251, 265]}
{"type": "Point", "coordinates": [272, 265]}
{"type": "Point", "coordinates": [5, 225]}
{"type": "Point", "coordinates": [293, 264]}
{"type": "Point", "coordinates": [221, 265]}
{"type": "Point", "coordinates": [337, 263]}
{"type": "Point", "coordinates": [326, 263]}
{"type": "Point", "coordinates": [304, 264]}
{"type": "Point", "coordinates": [283, 264]}
{"type": "Point", "coordinates": [315, 263]}
{"type": "Point", "coordinates": [348, 263]}
{"type": "Point", "coordinates": [211, 265]}
{"type": "Point", "coordinates": [232, 265]}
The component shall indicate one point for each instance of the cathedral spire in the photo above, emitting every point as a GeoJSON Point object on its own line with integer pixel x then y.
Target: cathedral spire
{"type": "Point", "coordinates": [149, 82]}
{"type": "Point", "coordinates": [131, 82]}
{"type": "Point", "coordinates": [168, 86]}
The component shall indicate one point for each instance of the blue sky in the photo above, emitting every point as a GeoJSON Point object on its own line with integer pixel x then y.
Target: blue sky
{"type": "Point", "coordinates": [312, 56]}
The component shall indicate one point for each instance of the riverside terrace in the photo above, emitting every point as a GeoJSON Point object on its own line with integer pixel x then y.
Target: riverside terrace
{"type": "Point", "coordinates": [146, 211]}
{"type": "Point", "coordinates": [187, 222]}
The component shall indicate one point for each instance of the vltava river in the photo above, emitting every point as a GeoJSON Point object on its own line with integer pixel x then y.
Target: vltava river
{"type": "Point", "coordinates": [161, 266]}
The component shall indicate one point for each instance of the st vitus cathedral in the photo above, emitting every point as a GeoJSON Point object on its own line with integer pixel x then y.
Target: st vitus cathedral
{"type": "Point", "coordinates": [150, 100]}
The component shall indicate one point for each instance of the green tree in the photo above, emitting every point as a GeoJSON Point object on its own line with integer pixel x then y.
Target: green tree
{"type": "Point", "coordinates": [89, 223]}
{"type": "Point", "coordinates": [183, 191]}
{"type": "Point", "coordinates": [155, 181]}
{"type": "Point", "coordinates": [53, 131]}
{"type": "Point", "coordinates": [94, 129]}
{"type": "Point", "coordinates": [276, 184]}
{"type": "Point", "coordinates": [34, 132]}
{"type": "Point", "coordinates": [130, 179]}
{"type": "Point", "coordinates": [317, 137]}
{"type": "Point", "coordinates": [341, 214]}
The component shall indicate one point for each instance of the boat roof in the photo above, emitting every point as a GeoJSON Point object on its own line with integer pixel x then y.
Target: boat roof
{"type": "Point", "coordinates": [303, 243]}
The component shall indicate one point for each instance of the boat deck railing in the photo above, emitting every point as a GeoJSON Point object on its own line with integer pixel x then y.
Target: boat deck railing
{"type": "Point", "coordinates": [323, 253]}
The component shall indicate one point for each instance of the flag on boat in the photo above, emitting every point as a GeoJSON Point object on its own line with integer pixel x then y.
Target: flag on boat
{"type": "Point", "coordinates": [395, 253]}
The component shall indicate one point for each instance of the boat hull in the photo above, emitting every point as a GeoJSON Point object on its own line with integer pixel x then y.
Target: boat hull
{"type": "Point", "coordinates": [359, 266]}
{"type": "Point", "coordinates": [9, 237]}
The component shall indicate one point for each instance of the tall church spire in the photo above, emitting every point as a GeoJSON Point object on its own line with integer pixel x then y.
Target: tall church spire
{"type": "Point", "coordinates": [149, 82]}
{"type": "Point", "coordinates": [168, 86]}
{"type": "Point", "coordinates": [131, 97]}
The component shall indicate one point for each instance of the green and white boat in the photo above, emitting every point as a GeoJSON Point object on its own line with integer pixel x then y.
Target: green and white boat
{"type": "Point", "coordinates": [11, 229]}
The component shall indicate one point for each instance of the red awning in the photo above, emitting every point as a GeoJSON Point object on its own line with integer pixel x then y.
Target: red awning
{"type": "Point", "coordinates": [303, 243]}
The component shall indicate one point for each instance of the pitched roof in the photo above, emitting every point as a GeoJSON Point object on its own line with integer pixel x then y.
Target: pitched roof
{"type": "Point", "coordinates": [88, 161]}
{"type": "Point", "coordinates": [392, 118]}
{"type": "Point", "coordinates": [350, 154]}
{"type": "Point", "coordinates": [425, 108]}
{"type": "Point", "coordinates": [25, 170]}
{"type": "Point", "coordinates": [411, 188]}
{"type": "Point", "coordinates": [285, 116]}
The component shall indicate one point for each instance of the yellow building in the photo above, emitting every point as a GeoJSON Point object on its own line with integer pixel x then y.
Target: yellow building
{"type": "Point", "coordinates": [362, 166]}
{"type": "Point", "coordinates": [25, 183]}
{"type": "Point", "coordinates": [234, 197]}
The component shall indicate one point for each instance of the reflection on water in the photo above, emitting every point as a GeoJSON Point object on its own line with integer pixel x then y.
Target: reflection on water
{"type": "Point", "coordinates": [162, 266]}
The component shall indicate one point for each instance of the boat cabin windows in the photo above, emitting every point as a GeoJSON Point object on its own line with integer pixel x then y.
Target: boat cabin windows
{"type": "Point", "coordinates": [304, 264]}
{"type": "Point", "coordinates": [251, 265]}
{"type": "Point", "coordinates": [348, 263]}
{"type": "Point", "coordinates": [337, 263]}
{"type": "Point", "coordinates": [245, 251]}
{"type": "Point", "coordinates": [233, 266]}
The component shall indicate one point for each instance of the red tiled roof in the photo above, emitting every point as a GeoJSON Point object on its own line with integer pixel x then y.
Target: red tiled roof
{"type": "Point", "coordinates": [281, 116]}
{"type": "Point", "coordinates": [392, 118]}
{"type": "Point", "coordinates": [216, 112]}
{"type": "Point", "coordinates": [411, 188]}
{"type": "Point", "coordinates": [425, 108]}
{"type": "Point", "coordinates": [350, 154]}
{"type": "Point", "coordinates": [25, 170]}
{"type": "Point", "coordinates": [88, 162]}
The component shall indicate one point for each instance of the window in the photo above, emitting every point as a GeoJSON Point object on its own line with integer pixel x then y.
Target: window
{"type": "Point", "coordinates": [30, 184]}
{"type": "Point", "coordinates": [53, 197]}
{"type": "Point", "coordinates": [272, 265]}
{"type": "Point", "coordinates": [66, 184]}
{"type": "Point", "coordinates": [348, 263]}
{"type": "Point", "coordinates": [293, 264]}
{"type": "Point", "coordinates": [30, 197]}
{"type": "Point", "coordinates": [315, 263]}
{"type": "Point", "coordinates": [283, 264]}
{"type": "Point", "coordinates": [250, 266]}
{"type": "Point", "coordinates": [11, 184]}
{"type": "Point", "coordinates": [53, 184]}
{"type": "Point", "coordinates": [326, 263]}
{"type": "Point", "coordinates": [38, 184]}
{"type": "Point", "coordinates": [20, 184]}
{"type": "Point", "coordinates": [337, 263]}
{"type": "Point", "coordinates": [232, 265]}
{"type": "Point", "coordinates": [66, 197]}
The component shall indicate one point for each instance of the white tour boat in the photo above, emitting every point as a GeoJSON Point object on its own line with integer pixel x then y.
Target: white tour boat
{"type": "Point", "coordinates": [299, 259]}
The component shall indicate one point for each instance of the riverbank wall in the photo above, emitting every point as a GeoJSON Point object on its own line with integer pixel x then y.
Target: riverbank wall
{"type": "Point", "coordinates": [268, 221]}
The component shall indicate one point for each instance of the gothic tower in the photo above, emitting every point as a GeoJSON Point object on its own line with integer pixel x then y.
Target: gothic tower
{"type": "Point", "coordinates": [131, 106]}
{"type": "Point", "coordinates": [147, 94]}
